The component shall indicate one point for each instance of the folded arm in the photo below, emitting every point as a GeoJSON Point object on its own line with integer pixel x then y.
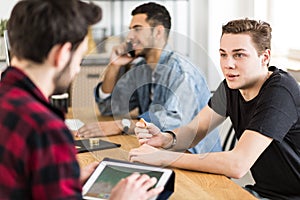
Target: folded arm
{"type": "Point", "coordinates": [235, 163]}
{"type": "Point", "coordinates": [186, 136]}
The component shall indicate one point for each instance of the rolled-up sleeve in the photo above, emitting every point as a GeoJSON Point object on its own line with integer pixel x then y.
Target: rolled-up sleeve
{"type": "Point", "coordinates": [104, 105]}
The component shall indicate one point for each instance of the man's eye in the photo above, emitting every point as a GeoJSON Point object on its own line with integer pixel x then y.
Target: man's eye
{"type": "Point", "coordinates": [223, 55]}
{"type": "Point", "coordinates": [137, 29]}
{"type": "Point", "coordinates": [239, 55]}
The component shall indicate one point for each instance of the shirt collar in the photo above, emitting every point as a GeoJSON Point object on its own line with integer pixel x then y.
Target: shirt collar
{"type": "Point", "coordinates": [17, 78]}
{"type": "Point", "coordinates": [165, 54]}
{"type": "Point", "coordinates": [163, 60]}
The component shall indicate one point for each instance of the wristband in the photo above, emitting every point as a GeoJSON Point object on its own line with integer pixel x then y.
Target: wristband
{"type": "Point", "coordinates": [126, 123]}
{"type": "Point", "coordinates": [174, 139]}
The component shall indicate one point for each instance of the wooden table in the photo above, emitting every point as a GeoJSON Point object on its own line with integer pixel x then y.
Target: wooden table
{"type": "Point", "coordinates": [188, 184]}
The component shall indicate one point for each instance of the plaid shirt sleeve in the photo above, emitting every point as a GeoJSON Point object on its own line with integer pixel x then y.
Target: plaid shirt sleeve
{"type": "Point", "coordinates": [38, 162]}
{"type": "Point", "coordinates": [37, 153]}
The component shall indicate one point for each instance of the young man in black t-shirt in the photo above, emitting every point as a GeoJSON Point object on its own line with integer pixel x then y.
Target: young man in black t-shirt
{"type": "Point", "coordinates": [263, 104]}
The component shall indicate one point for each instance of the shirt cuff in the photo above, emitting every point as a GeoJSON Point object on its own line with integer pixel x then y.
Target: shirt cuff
{"type": "Point", "coordinates": [102, 94]}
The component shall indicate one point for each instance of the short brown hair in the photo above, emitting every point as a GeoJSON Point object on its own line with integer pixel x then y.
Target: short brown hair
{"type": "Point", "coordinates": [259, 31]}
{"type": "Point", "coordinates": [156, 15]}
{"type": "Point", "coordinates": [35, 26]}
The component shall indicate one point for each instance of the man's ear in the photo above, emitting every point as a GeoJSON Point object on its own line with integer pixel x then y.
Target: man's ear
{"type": "Point", "coordinates": [266, 55]}
{"type": "Point", "coordinates": [60, 54]}
{"type": "Point", "coordinates": [159, 31]}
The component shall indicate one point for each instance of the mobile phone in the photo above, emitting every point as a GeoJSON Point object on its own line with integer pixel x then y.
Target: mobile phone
{"type": "Point", "coordinates": [130, 49]}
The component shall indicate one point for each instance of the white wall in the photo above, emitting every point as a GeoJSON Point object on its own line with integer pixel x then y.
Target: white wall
{"type": "Point", "coordinates": [5, 8]}
{"type": "Point", "coordinates": [199, 20]}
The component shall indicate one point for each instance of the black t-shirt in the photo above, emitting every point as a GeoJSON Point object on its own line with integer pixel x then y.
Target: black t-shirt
{"type": "Point", "coordinates": [274, 112]}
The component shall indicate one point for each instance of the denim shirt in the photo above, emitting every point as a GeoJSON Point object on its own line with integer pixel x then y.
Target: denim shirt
{"type": "Point", "coordinates": [169, 96]}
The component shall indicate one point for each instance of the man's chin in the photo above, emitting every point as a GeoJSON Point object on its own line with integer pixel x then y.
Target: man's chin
{"type": "Point", "coordinates": [232, 85]}
{"type": "Point", "coordinates": [140, 54]}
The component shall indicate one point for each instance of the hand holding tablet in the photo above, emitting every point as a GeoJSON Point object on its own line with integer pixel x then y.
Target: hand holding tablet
{"type": "Point", "coordinates": [112, 173]}
{"type": "Point", "coordinates": [135, 186]}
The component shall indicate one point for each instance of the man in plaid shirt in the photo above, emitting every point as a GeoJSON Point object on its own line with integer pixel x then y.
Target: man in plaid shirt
{"type": "Point", "coordinates": [37, 153]}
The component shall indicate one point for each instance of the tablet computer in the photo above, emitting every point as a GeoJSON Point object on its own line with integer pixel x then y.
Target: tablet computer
{"type": "Point", "coordinates": [110, 172]}
{"type": "Point", "coordinates": [93, 144]}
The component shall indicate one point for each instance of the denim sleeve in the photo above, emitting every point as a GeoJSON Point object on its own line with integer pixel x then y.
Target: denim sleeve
{"type": "Point", "coordinates": [104, 105]}
{"type": "Point", "coordinates": [184, 98]}
{"type": "Point", "coordinates": [151, 117]}
{"type": "Point", "coordinates": [116, 103]}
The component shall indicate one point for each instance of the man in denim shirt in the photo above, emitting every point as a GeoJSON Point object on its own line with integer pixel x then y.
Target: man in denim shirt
{"type": "Point", "coordinates": [167, 89]}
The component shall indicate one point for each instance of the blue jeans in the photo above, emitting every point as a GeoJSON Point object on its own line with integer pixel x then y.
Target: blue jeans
{"type": "Point", "coordinates": [255, 193]}
{"type": "Point", "coordinates": [211, 143]}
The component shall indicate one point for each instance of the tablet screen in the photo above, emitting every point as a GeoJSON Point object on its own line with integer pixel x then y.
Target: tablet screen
{"type": "Point", "coordinates": [108, 174]}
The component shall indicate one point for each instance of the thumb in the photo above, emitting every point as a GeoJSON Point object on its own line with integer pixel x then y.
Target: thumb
{"type": "Point", "coordinates": [153, 129]}
{"type": "Point", "coordinates": [141, 123]}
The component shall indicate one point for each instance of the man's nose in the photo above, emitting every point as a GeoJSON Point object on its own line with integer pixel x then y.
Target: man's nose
{"type": "Point", "coordinates": [130, 35]}
{"type": "Point", "coordinates": [228, 62]}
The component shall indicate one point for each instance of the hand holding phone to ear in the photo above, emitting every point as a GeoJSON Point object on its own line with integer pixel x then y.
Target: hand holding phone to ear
{"type": "Point", "coordinates": [130, 50]}
{"type": "Point", "coordinates": [122, 54]}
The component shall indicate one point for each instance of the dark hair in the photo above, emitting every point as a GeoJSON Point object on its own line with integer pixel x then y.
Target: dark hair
{"type": "Point", "coordinates": [35, 26]}
{"type": "Point", "coordinates": [156, 15]}
{"type": "Point", "coordinates": [259, 31]}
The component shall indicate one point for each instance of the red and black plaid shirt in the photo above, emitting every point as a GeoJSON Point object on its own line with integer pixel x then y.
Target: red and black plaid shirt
{"type": "Point", "coordinates": [37, 153]}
